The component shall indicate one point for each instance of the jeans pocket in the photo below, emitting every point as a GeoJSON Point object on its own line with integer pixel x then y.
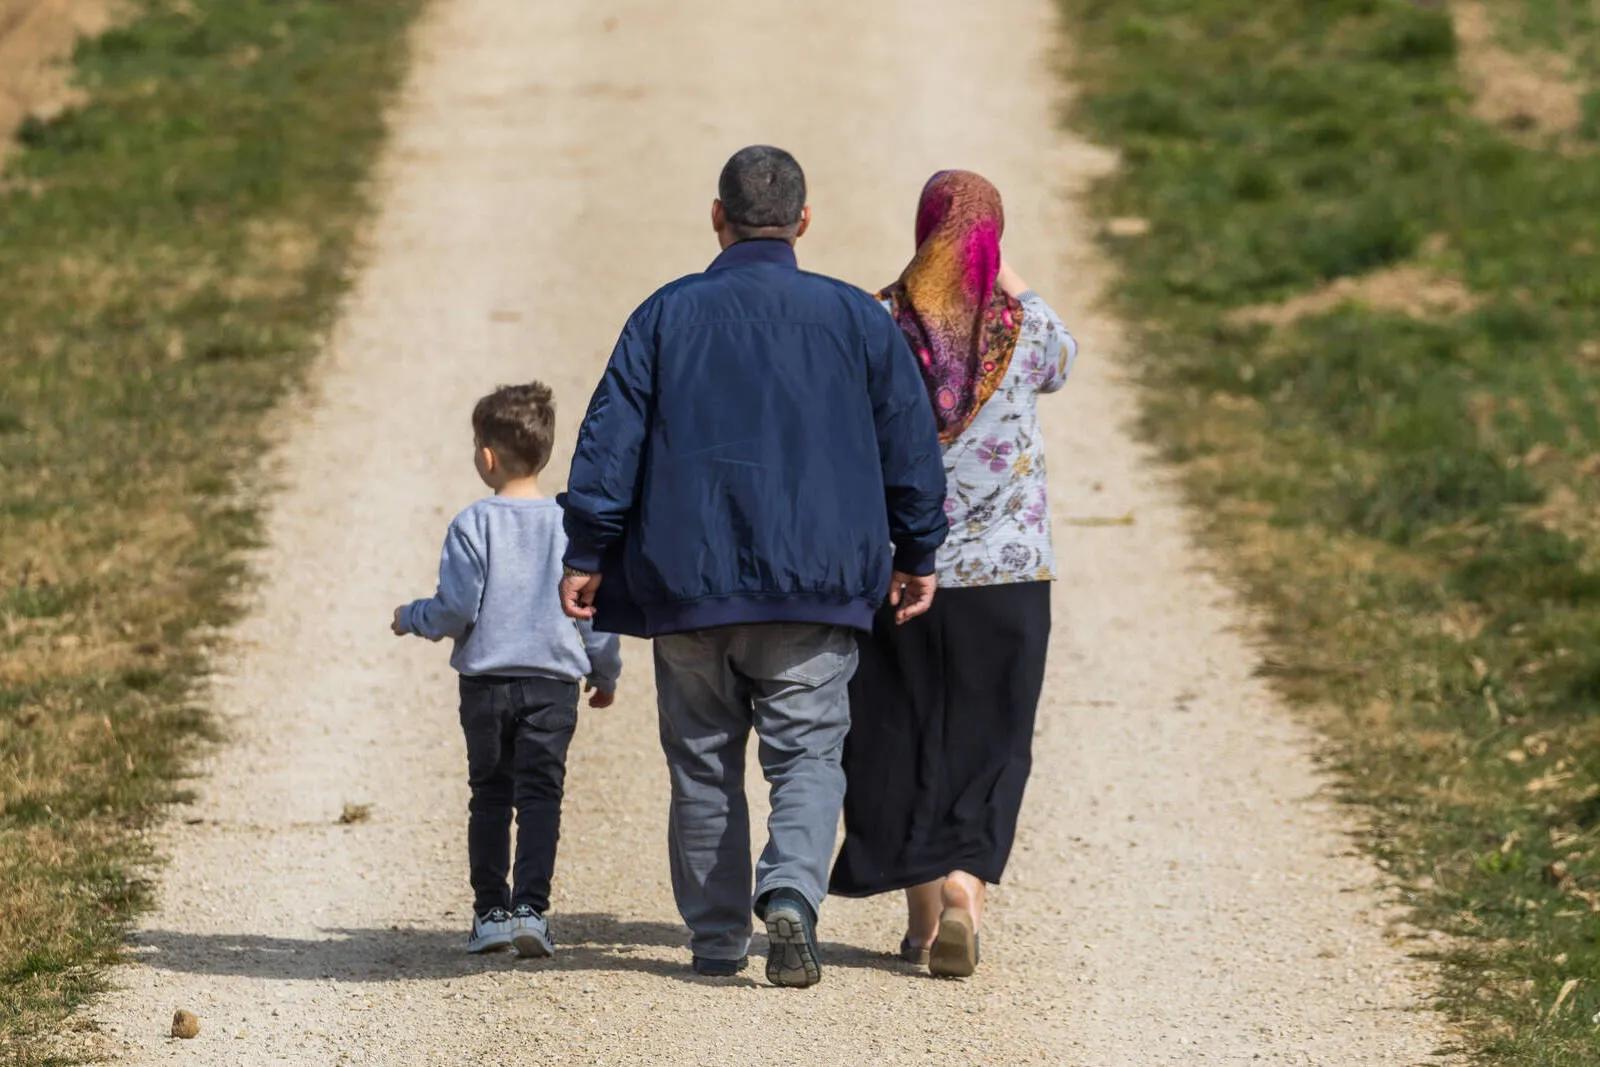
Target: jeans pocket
{"type": "Point", "coordinates": [810, 655]}
{"type": "Point", "coordinates": [683, 650]}
{"type": "Point", "coordinates": [477, 699]}
{"type": "Point", "coordinates": [552, 711]}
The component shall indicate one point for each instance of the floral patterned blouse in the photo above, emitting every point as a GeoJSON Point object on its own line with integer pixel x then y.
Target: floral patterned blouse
{"type": "Point", "coordinates": [998, 508]}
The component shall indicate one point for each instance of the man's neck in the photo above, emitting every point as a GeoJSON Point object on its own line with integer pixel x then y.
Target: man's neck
{"type": "Point", "coordinates": [727, 240]}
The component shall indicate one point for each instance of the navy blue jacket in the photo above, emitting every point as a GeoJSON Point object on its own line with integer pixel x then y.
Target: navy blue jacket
{"type": "Point", "coordinates": [760, 449]}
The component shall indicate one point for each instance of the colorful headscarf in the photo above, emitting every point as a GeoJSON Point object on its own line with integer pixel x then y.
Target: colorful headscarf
{"type": "Point", "coordinates": [961, 325]}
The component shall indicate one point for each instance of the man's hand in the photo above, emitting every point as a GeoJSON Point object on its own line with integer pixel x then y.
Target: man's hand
{"type": "Point", "coordinates": [396, 626]}
{"type": "Point", "coordinates": [911, 594]}
{"type": "Point", "coordinates": [577, 595]}
{"type": "Point", "coordinates": [600, 698]}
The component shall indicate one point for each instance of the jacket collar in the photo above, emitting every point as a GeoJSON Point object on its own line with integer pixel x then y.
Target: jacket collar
{"type": "Point", "coordinates": [757, 252]}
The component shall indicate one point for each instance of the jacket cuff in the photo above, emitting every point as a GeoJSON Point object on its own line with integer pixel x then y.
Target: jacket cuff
{"type": "Point", "coordinates": [917, 562]}
{"type": "Point", "coordinates": [582, 558]}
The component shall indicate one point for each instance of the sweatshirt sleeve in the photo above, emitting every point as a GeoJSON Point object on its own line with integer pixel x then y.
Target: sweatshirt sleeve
{"type": "Point", "coordinates": [605, 657]}
{"type": "Point", "coordinates": [908, 447]}
{"type": "Point", "coordinates": [452, 610]}
{"type": "Point", "coordinates": [605, 464]}
{"type": "Point", "coordinates": [1059, 348]}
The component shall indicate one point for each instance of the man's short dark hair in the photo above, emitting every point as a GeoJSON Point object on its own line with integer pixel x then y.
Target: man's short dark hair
{"type": "Point", "coordinates": [763, 191]}
{"type": "Point", "coordinates": [519, 423]}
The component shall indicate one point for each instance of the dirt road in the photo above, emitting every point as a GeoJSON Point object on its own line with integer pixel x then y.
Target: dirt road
{"type": "Point", "coordinates": [1180, 894]}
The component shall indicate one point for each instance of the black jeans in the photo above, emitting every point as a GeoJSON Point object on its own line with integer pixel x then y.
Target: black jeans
{"type": "Point", "coordinates": [518, 730]}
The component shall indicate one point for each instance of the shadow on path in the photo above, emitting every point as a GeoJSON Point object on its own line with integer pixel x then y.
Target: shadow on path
{"type": "Point", "coordinates": [586, 941]}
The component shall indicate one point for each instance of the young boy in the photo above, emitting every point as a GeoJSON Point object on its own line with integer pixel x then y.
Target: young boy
{"type": "Point", "coordinates": [520, 661]}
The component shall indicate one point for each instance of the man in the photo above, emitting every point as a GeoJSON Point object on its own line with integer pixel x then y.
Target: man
{"type": "Point", "coordinates": [758, 468]}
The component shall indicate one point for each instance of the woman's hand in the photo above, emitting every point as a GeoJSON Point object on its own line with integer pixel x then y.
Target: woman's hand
{"type": "Point", "coordinates": [1010, 280]}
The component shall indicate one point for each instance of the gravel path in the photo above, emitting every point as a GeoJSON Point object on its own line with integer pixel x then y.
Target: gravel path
{"type": "Point", "coordinates": [1181, 893]}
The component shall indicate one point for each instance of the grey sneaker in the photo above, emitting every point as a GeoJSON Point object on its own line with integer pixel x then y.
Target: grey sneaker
{"type": "Point", "coordinates": [491, 931]}
{"type": "Point", "coordinates": [792, 957]}
{"type": "Point", "coordinates": [530, 933]}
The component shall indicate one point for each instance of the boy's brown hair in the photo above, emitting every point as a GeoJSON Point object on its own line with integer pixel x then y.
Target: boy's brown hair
{"type": "Point", "coordinates": [519, 423]}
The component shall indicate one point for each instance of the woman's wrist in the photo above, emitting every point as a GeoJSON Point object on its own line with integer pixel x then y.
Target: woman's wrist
{"type": "Point", "coordinates": [1011, 281]}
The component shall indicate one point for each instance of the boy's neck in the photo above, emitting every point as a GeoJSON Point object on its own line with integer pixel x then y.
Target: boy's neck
{"type": "Point", "coordinates": [521, 488]}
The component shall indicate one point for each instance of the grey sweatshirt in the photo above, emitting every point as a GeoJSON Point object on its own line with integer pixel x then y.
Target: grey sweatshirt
{"type": "Point", "coordinates": [499, 598]}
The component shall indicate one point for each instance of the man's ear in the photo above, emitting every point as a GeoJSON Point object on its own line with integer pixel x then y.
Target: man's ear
{"type": "Point", "coordinates": [488, 459]}
{"type": "Point", "coordinates": [719, 217]}
{"type": "Point", "coordinates": [805, 222]}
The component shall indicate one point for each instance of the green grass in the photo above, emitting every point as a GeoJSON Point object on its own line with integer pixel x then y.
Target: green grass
{"type": "Point", "coordinates": [170, 256]}
{"type": "Point", "coordinates": [1415, 501]}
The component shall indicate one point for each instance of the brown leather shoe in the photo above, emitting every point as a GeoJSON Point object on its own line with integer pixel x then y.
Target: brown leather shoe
{"type": "Point", "coordinates": [917, 954]}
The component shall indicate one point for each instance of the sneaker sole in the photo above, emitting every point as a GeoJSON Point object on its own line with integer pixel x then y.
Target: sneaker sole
{"type": "Point", "coordinates": [530, 947]}
{"type": "Point", "coordinates": [791, 962]}
{"type": "Point", "coordinates": [480, 948]}
{"type": "Point", "coordinates": [955, 951]}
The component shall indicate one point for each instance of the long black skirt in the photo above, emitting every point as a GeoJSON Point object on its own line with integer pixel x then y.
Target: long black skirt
{"type": "Point", "coordinates": [941, 738]}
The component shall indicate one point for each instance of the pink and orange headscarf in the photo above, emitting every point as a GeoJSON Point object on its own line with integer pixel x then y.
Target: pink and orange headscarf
{"type": "Point", "coordinates": [961, 325]}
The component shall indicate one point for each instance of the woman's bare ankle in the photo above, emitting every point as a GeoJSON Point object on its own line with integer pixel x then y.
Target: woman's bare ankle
{"type": "Point", "coordinates": [964, 891]}
{"type": "Point", "coordinates": [923, 904]}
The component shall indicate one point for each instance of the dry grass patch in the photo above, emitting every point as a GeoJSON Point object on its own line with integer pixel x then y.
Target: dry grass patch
{"type": "Point", "coordinates": [1407, 289]}
{"type": "Point", "coordinates": [35, 37]}
{"type": "Point", "coordinates": [1531, 91]}
{"type": "Point", "coordinates": [287, 249]}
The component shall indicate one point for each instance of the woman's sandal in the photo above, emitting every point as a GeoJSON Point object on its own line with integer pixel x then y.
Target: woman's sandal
{"type": "Point", "coordinates": [917, 954]}
{"type": "Point", "coordinates": [955, 951]}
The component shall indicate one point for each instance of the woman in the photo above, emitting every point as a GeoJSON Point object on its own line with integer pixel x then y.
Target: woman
{"type": "Point", "coordinates": [942, 709]}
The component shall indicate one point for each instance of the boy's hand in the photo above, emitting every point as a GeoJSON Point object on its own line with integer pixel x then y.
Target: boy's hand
{"type": "Point", "coordinates": [397, 626]}
{"type": "Point", "coordinates": [601, 698]}
{"type": "Point", "coordinates": [911, 594]}
{"type": "Point", "coordinates": [577, 595]}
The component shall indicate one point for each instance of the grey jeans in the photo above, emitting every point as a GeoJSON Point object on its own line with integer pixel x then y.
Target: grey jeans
{"type": "Point", "coordinates": [790, 683]}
